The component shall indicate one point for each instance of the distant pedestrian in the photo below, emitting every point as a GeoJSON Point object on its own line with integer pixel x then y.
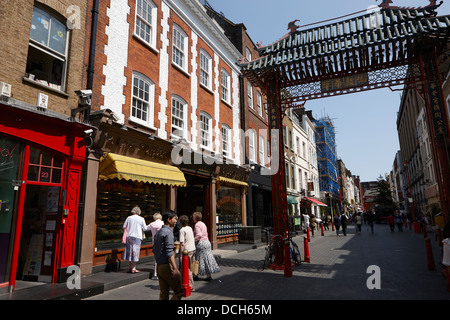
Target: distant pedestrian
{"type": "Point", "coordinates": [134, 226]}
{"type": "Point", "coordinates": [163, 248]}
{"type": "Point", "coordinates": [187, 243]}
{"type": "Point", "coordinates": [399, 222]}
{"type": "Point", "coordinates": [326, 221]}
{"type": "Point", "coordinates": [344, 221]}
{"type": "Point", "coordinates": [312, 224]}
{"type": "Point", "coordinates": [337, 223]}
{"type": "Point", "coordinates": [154, 227]}
{"type": "Point", "coordinates": [358, 222]}
{"type": "Point", "coordinates": [203, 254]}
{"type": "Point", "coordinates": [305, 221]}
{"type": "Point", "coordinates": [370, 216]}
{"type": "Point", "coordinates": [391, 222]}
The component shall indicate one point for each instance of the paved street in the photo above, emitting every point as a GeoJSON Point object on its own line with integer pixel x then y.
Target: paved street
{"type": "Point", "coordinates": [338, 270]}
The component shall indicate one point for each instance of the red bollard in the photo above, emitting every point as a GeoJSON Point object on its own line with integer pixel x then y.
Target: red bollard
{"type": "Point", "coordinates": [431, 265]}
{"type": "Point", "coordinates": [332, 226]}
{"type": "Point", "coordinates": [306, 248]}
{"type": "Point", "coordinates": [323, 231]}
{"type": "Point", "coordinates": [307, 233]}
{"type": "Point", "coordinates": [185, 274]}
{"type": "Point", "coordinates": [287, 259]}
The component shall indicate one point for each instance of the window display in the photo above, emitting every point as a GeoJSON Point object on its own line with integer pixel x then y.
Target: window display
{"type": "Point", "coordinates": [229, 210]}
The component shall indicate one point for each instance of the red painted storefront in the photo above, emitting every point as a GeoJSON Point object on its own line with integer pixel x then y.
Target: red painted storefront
{"type": "Point", "coordinates": [41, 159]}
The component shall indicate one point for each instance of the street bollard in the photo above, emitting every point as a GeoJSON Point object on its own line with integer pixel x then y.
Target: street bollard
{"type": "Point", "coordinates": [185, 274]}
{"type": "Point", "coordinates": [332, 226]}
{"type": "Point", "coordinates": [323, 231]}
{"type": "Point", "coordinates": [306, 249]}
{"type": "Point", "coordinates": [431, 265]}
{"type": "Point", "coordinates": [307, 233]}
{"type": "Point", "coordinates": [287, 259]}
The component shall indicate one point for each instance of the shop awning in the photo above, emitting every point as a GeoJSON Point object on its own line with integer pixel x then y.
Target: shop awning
{"type": "Point", "coordinates": [121, 167]}
{"type": "Point", "coordinates": [316, 202]}
{"type": "Point", "coordinates": [291, 200]}
{"type": "Point", "coordinates": [230, 181]}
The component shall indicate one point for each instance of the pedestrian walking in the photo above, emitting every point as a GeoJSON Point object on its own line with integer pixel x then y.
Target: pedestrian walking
{"type": "Point", "coordinates": [399, 222]}
{"type": "Point", "coordinates": [187, 243]}
{"type": "Point", "coordinates": [313, 224]}
{"type": "Point", "coordinates": [337, 223]}
{"type": "Point", "coordinates": [134, 227]}
{"type": "Point", "coordinates": [326, 221]}
{"type": "Point", "coordinates": [154, 227]}
{"type": "Point", "coordinates": [163, 248]}
{"type": "Point", "coordinates": [203, 254]}
{"type": "Point", "coordinates": [344, 221]}
{"type": "Point", "coordinates": [305, 221]}
{"type": "Point", "coordinates": [370, 216]}
{"type": "Point", "coordinates": [391, 222]}
{"type": "Point", "coordinates": [358, 222]}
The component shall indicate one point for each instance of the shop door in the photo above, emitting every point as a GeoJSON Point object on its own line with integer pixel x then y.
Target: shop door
{"type": "Point", "coordinates": [38, 241]}
{"type": "Point", "coordinates": [11, 155]}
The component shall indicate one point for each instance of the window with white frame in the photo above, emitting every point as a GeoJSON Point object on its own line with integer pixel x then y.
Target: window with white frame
{"type": "Point", "coordinates": [225, 86]}
{"type": "Point", "coordinates": [248, 54]}
{"type": "Point", "coordinates": [262, 155]}
{"type": "Point", "coordinates": [205, 69]}
{"type": "Point", "coordinates": [47, 50]}
{"type": "Point", "coordinates": [180, 47]}
{"type": "Point", "coordinates": [251, 146]}
{"type": "Point", "coordinates": [259, 103]}
{"type": "Point", "coordinates": [179, 113]}
{"type": "Point", "coordinates": [142, 105]}
{"type": "Point", "coordinates": [145, 24]}
{"type": "Point", "coordinates": [226, 141]}
{"type": "Point", "coordinates": [205, 130]}
{"type": "Point", "coordinates": [250, 94]}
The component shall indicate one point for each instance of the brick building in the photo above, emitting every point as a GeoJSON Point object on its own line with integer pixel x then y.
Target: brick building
{"type": "Point", "coordinates": [165, 100]}
{"type": "Point", "coordinates": [42, 146]}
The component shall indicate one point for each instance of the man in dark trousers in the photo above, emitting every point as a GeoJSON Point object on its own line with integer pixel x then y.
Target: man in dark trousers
{"type": "Point", "coordinates": [163, 248]}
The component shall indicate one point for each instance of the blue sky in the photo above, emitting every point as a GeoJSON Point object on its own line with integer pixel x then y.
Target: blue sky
{"type": "Point", "coordinates": [365, 122]}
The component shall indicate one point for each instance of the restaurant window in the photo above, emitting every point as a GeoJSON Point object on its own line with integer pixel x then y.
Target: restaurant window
{"type": "Point", "coordinates": [47, 50]}
{"type": "Point", "coordinates": [229, 210]}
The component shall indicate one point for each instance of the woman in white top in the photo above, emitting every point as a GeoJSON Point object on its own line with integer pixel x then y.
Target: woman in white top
{"type": "Point", "coordinates": [187, 242]}
{"type": "Point", "coordinates": [134, 225]}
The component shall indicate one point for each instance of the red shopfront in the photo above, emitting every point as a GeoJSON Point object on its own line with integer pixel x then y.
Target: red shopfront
{"type": "Point", "coordinates": [41, 159]}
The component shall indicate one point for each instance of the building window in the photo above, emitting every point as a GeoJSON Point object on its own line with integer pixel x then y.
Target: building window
{"type": "Point", "coordinates": [142, 100]}
{"type": "Point", "coordinates": [262, 155]}
{"type": "Point", "coordinates": [225, 86]}
{"type": "Point", "coordinates": [206, 130]}
{"type": "Point", "coordinates": [250, 94]}
{"type": "Point", "coordinates": [293, 184]}
{"type": "Point", "coordinates": [259, 103]}
{"type": "Point", "coordinates": [251, 146]}
{"type": "Point", "coordinates": [44, 167]}
{"type": "Point", "coordinates": [145, 26]}
{"type": "Point", "coordinates": [47, 50]}
{"type": "Point", "coordinates": [226, 141]}
{"type": "Point", "coordinates": [205, 69]}
{"type": "Point", "coordinates": [179, 107]}
{"type": "Point", "coordinates": [179, 47]}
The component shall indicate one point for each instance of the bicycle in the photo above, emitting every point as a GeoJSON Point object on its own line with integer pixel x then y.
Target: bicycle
{"type": "Point", "coordinates": [296, 257]}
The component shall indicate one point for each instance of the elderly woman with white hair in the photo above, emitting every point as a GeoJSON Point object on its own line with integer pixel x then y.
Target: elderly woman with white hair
{"type": "Point", "coordinates": [134, 226]}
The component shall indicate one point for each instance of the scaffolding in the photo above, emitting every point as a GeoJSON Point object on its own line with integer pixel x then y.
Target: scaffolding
{"type": "Point", "coordinates": [326, 155]}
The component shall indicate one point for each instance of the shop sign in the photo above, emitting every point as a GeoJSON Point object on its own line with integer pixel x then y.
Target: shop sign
{"type": "Point", "coordinates": [438, 114]}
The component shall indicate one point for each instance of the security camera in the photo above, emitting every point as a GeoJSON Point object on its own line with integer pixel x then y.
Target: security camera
{"type": "Point", "coordinates": [88, 132]}
{"type": "Point", "coordinates": [84, 97]}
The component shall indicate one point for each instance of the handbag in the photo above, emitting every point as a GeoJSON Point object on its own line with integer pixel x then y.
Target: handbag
{"type": "Point", "coordinates": [124, 237]}
{"type": "Point", "coordinates": [194, 267]}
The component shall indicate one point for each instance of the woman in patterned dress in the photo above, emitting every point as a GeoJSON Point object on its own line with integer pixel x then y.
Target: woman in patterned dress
{"type": "Point", "coordinates": [203, 253]}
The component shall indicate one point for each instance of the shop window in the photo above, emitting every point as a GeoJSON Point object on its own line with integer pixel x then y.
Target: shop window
{"type": "Point", "coordinates": [229, 210]}
{"type": "Point", "coordinates": [145, 26]}
{"type": "Point", "coordinates": [44, 167]}
{"type": "Point", "coordinates": [47, 50]}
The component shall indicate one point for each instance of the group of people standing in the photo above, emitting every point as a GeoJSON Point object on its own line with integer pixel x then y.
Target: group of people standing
{"type": "Point", "coordinates": [194, 241]}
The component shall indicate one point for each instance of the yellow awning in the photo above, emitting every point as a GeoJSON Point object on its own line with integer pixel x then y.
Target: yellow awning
{"type": "Point", "coordinates": [232, 181]}
{"type": "Point", "coordinates": [122, 167]}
